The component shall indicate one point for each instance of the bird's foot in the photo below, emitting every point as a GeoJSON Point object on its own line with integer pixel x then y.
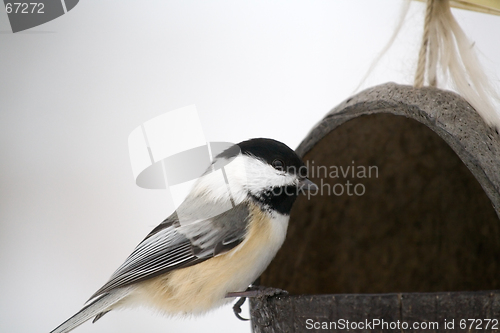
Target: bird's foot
{"type": "Point", "coordinates": [253, 291]}
{"type": "Point", "coordinates": [237, 308]}
{"type": "Point", "coordinates": [258, 291]}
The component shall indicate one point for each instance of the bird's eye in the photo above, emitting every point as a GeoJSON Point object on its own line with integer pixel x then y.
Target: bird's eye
{"type": "Point", "coordinates": [279, 165]}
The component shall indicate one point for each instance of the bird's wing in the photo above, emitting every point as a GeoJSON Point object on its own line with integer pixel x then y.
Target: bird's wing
{"type": "Point", "coordinates": [176, 244]}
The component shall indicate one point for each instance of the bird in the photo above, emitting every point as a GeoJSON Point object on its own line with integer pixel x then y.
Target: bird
{"type": "Point", "coordinates": [203, 256]}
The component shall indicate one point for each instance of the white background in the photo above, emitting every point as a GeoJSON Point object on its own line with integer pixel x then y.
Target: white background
{"type": "Point", "coordinates": [73, 89]}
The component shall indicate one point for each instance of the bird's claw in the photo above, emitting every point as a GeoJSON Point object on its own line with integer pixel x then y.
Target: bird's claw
{"type": "Point", "coordinates": [253, 291]}
{"type": "Point", "coordinates": [237, 308]}
{"type": "Point", "coordinates": [258, 291]}
{"type": "Point", "coordinates": [270, 291]}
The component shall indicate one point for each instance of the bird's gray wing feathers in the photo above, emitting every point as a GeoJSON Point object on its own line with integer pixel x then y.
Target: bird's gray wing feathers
{"type": "Point", "coordinates": [177, 244]}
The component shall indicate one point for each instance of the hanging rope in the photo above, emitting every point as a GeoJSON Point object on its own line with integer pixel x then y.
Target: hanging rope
{"type": "Point", "coordinates": [445, 49]}
{"type": "Point", "coordinates": [422, 56]}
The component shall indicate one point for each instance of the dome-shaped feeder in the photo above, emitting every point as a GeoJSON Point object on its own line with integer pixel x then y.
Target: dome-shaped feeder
{"type": "Point", "coordinates": [406, 223]}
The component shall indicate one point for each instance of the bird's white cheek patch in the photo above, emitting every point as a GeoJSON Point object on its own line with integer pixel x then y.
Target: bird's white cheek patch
{"type": "Point", "coordinates": [261, 176]}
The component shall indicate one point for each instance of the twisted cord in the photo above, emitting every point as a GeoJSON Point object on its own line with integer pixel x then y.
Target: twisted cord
{"type": "Point", "coordinates": [422, 56]}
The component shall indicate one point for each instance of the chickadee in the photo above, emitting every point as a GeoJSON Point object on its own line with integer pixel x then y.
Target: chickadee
{"type": "Point", "coordinates": [198, 259]}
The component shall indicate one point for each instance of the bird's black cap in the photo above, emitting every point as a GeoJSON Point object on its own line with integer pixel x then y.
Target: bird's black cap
{"type": "Point", "coordinates": [272, 151]}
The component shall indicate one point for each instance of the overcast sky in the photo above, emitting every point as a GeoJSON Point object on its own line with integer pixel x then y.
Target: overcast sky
{"type": "Point", "coordinates": [73, 89]}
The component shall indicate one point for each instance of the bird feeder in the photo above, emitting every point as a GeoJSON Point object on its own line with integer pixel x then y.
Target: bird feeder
{"type": "Point", "coordinates": [415, 237]}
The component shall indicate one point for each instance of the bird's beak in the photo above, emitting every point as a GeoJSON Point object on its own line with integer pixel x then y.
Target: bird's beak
{"type": "Point", "coordinates": [307, 185]}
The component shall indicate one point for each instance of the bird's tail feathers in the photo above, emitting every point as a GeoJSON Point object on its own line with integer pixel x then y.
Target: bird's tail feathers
{"type": "Point", "coordinates": [96, 308]}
